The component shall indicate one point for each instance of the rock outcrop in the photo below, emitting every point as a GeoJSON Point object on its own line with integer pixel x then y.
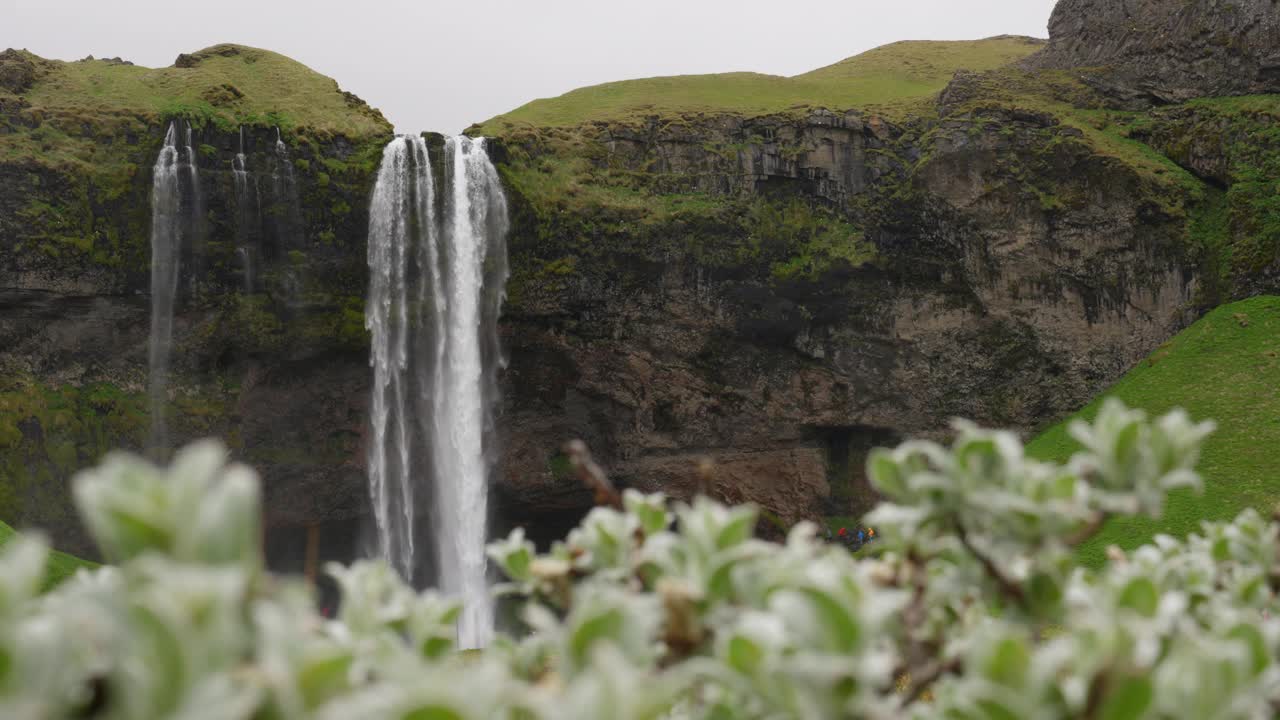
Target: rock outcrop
{"type": "Point", "coordinates": [270, 354]}
{"type": "Point", "coordinates": [1168, 51]}
{"type": "Point", "coordinates": [1015, 272]}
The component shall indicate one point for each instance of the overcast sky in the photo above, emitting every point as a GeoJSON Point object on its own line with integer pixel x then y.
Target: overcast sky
{"type": "Point", "coordinates": [436, 65]}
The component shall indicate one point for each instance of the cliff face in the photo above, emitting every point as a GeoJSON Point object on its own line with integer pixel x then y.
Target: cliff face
{"type": "Point", "coordinates": [775, 288]}
{"type": "Point", "coordinates": [270, 349]}
{"type": "Point", "coordinates": [1004, 271]}
{"type": "Point", "coordinates": [796, 287]}
{"type": "Point", "coordinates": [1162, 51]}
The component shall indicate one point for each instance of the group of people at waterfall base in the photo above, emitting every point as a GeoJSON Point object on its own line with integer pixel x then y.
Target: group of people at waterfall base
{"type": "Point", "coordinates": [852, 539]}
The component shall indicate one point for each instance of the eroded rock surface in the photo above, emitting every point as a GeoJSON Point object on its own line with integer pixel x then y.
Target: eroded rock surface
{"type": "Point", "coordinates": [1167, 51]}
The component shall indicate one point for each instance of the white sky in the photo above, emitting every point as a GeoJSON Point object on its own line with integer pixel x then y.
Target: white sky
{"type": "Point", "coordinates": [437, 65]}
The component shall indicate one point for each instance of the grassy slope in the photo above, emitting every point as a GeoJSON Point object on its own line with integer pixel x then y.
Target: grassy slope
{"type": "Point", "coordinates": [887, 78]}
{"type": "Point", "coordinates": [273, 89]}
{"type": "Point", "coordinates": [77, 112]}
{"type": "Point", "coordinates": [61, 565]}
{"type": "Point", "coordinates": [1226, 367]}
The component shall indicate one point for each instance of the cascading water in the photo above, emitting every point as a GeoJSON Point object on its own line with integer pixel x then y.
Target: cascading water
{"type": "Point", "coordinates": [476, 219]}
{"type": "Point", "coordinates": [437, 271]}
{"type": "Point", "coordinates": [285, 218]}
{"type": "Point", "coordinates": [172, 220]}
{"type": "Point", "coordinates": [244, 212]}
{"type": "Point", "coordinates": [400, 212]}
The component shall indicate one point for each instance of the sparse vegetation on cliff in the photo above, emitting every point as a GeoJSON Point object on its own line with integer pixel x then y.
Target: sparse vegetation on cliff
{"type": "Point", "coordinates": [77, 140]}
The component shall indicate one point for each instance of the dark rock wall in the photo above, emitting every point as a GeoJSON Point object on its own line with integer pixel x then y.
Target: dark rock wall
{"type": "Point", "coordinates": [1017, 272]}
{"type": "Point", "coordinates": [278, 370]}
{"type": "Point", "coordinates": [1166, 51]}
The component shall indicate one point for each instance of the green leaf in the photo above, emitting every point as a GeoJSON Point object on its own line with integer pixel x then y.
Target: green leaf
{"type": "Point", "coordinates": [844, 629]}
{"type": "Point", "coordinates": [136, 534]}
{"type": "Point", "coordinates": [436, 647]}
{"type": "Point", "coordinates": [720, 584]}
{"type": "Point", "coordinates": [166, 662]}
{"type": "Point", "coordinates": [739, 529]}
{"type": "Point", "coordinates": [1045, 593]}
{"type": "Point", "coordinates": [653, 516]}
{"type": "Point", "coordinates": [1129, 700]}
{"type": "Point", "coordinates": [1255, 643]}
{"type": "Point", "coordinates": [1221, 549]}
{"type": "Point", "coordinates": [603, 626]}
{"type": "Point", "coordinates": [1141, 596]}
{"type": "Point", "coordinates": [433, 712]}
{"type": "Point", "coordinates": [744, 655]}
{"type": "Point", "coordinates": [516, 564]}
{"type": "Point", "coordinates": [885, 475]}
{"type": "Point", "coordinates": [1008, 664]}
{"type": "Point", "coordinates": [1126, 446]}
{"type": "Point", "coordinates": [323, 680]}
{"type": "Point", "coordinates": [997, 711]}
{"type": "Point", "coordinates": [978, 455]}
{"type": "Point", "coordinates": [1064, 487]}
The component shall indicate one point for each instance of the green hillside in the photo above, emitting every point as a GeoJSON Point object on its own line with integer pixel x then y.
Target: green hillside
{"type": "Point", "coordinates": [61, 565]}
{"type": "Point", "coordinates": [887, 78]}
{"type": "Point", "coordinates": [228, 83]}
{"type": "Point", "coordinates": [83, 115]}
{"type": "Point", "coordinates": [1226, 368]}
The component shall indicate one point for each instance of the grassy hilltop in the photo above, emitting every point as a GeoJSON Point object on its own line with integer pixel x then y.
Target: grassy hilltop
{"type": "Point", "coordinates": [889, 79]}
{"type": "Point", "coordinates": [228, 85]}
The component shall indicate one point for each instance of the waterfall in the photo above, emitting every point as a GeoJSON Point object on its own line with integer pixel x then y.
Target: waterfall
{"type": "Point", "coordinates": [244, 213]}
{"type": "Point", "coordinates": [476, 219]}
{"type": "Point", "coordinates": [287, 220]}
{"type": "Point", "coordinates": [437, 271]}
{"type": "Point", "coordinates": [172, 221]}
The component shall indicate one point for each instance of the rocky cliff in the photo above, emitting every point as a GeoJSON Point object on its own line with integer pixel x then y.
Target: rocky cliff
{"type": "Point", "coordinates": [819, 285]}
{"type": "Point", "coordinates": [778, 292]}
{"type": "Point", "coordinates": [775, 283]}
{"type": "Point", "coordinates": [1159, 51]}
{"type": "Point", "coordinates": [270, 348]}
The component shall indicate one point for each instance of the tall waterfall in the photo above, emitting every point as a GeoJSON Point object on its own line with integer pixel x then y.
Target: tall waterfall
{"type": "Point", "coordinates": [172, 222]}
{"type": "Point", "coordinates": [245, 212]}
{"type": "Point", "coordinates": [437, 266]}
{"type": "Point", "coordinates": [285, 218]}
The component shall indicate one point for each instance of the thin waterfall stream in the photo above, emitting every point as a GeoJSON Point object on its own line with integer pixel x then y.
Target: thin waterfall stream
{"type": "Point", "coordinates": [437, 264]}
{"type": "Point", "coordinates": [246, 212]}
{"type": "Point", "coordinates": [175, 201]}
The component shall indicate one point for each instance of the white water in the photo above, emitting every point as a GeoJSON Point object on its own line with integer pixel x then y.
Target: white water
{"type": "Point", "coordinates": [286, 219]}
{"type": "Point", "coordinates": [436, 281]}
{"type": "Point", "coordinates": [244, 213]}
{"type": "Point", "coordinates": [169, 232]}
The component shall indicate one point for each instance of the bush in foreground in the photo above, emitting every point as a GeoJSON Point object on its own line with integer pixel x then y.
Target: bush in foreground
{"type": "Point", "coordinates": [976, 607]}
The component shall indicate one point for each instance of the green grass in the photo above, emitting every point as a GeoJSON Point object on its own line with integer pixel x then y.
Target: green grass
{"type": "Point", "coordinates": [230, 84]}
{"type": "Point", "coordinates": [1225, 368]}
{"type": "Point", "coordinates": [889, 78]}
{"type": "Point", "coordinates": [60, 565]}
{"type": "Point", "coordinates": [77, 115]}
